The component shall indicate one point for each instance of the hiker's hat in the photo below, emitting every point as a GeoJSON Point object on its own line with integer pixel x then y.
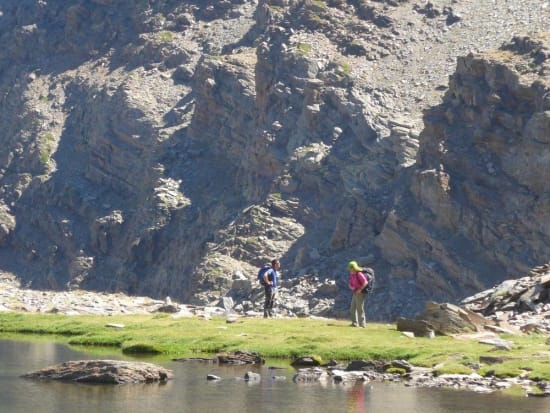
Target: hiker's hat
{"type": "Point", "coordinates": [353, 266]}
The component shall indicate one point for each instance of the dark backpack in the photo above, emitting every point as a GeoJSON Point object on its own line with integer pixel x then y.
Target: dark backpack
{"type": "Point", "coordinates": [369, 275]}
{"type": "Point", "coordinates": [262, 272]}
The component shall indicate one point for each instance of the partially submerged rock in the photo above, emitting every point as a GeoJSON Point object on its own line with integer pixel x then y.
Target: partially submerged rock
{"type": "Point", "coordinates": [413, 376]}
{"type": "Point", "coordinates": [103, 372]}
{"type": "Point", "coordinates": [312, 374]}
{"type": "Point", "coordinates": [306, 361]}
{"type": "Point", "coordinates": [241, 357]}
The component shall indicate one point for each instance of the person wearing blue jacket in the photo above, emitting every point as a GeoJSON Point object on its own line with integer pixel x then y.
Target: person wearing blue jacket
{"type": "Point", "coordinates": [271, 278]}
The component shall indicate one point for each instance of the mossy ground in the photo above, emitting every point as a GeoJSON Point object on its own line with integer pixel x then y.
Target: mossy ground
{"type": "Point", "coordinates": [284, 339]}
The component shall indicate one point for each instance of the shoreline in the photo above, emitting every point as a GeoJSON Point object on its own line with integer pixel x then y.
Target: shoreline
{"type": "Point", "coordinates": [17, 300]}
{"type": "Point", "coordinates": [363, 368]}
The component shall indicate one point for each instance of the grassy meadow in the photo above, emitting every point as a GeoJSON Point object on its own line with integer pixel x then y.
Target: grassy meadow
{"type": "Point", "coordinates": [282, 339]}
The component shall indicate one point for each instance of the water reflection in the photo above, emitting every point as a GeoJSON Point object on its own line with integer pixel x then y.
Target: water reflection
{"type": "Point", "coordinates": [191, 392]}
{"type": "Point", "coordinates": [356, 398]}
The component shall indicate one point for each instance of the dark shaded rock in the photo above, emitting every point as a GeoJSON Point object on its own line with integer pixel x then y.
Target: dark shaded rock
{"type": "Point", "coordinates": [306, 361]}
{"type": "Point", "coordinates": [356, 49]}
{"type": "Point", "coordinates": [104, 372]}
{"type": "Point", "coordinates": [241, 357]}
{"type": "Point", "coordinates": [168, 308]}
{"type": "Point", "coordinates": [331, 364]}
{"type": "Point", "coordinates": [452, 17]}
{"type": "Point", "coordinates": [183, 74]}
{"type": "Point", "coordinates": [420, 328]}
{"type": "Point", "coordinates": [365, 365]}
{"type": "Point", "coordinates": [372, 14]}
{"type": "Point", "coordinates": [429, 10]}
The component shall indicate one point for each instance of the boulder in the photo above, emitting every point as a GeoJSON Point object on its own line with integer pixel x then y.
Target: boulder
{"type": "Point", "coordinates": [443, 319]}
{"type": "Point", "coordinates": [306, 361]}
{"type": "Point", "coordinates": [419, 328]}
{"type": "Point", "coordinates": [103, 372]}
{"type": "Point", "coordinates": [241, 357]}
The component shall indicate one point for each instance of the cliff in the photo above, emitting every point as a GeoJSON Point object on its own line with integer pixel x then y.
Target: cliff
{"type": "Point", "coordinates": [170, 148]}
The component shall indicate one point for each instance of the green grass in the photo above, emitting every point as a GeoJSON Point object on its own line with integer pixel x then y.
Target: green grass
{"type": "Point", "coordinates": [303, 49]}
{"type": "Point", "coordinates": [46, 148]}
{"type": "Point", "coordinates": [281, 338]}
{"type": "Point", "coordinates": [166, 36]}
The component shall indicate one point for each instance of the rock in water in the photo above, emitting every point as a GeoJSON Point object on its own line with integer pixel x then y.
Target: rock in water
{"type": "Point", "coordinates": [104, 372]}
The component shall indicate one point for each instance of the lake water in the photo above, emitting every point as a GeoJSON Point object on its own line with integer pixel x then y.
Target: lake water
{"type": "Point", "coordinates": [190, 392]}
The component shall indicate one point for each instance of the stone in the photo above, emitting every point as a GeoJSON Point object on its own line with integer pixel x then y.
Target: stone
{"type": "Point", "coordinates": [313, 374]}
{"type": "Point", "coordinates": [251, 376]}
{"type": "Point", "coordinates": [305, 361]}
{"type": "Point", "coordinates": [115, 325]}
{"type": "Point", "coordinates": [228, 303]}
{"type": "Point", "coordinates": [401, 364]}
{"type": "Point", "coordinates": [365, 365]}
{"type": "Point", "coordinates": [339, 376]}
{"type": "Point", "coordinates": [168, 308]}
{"type": "Point", "coordinates": [241, 357]}
{"type": "Point", "coordinates": [103, 372]}
{"type": "Point", "coordinates": [499, 343]}
{"type": "Point", "coordinates": [448, 319]}
{"type": "Point", "coordinates": [419, 328]}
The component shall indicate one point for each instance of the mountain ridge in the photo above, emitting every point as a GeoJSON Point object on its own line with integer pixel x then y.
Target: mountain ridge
{"type": "Point", "coordinates": [171, 148]}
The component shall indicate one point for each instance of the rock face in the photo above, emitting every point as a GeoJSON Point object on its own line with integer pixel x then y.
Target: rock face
{"type": "Point", "coordinates": [171, 148]}
{"type": "Point", "coordinates": [483, 158]}
{"type": "Point", "coordinates": [103, 372]}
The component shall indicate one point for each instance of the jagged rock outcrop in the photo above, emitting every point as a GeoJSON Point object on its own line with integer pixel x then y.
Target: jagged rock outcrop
{"type": "Point", "coordinates": [523, 302]}
{"type": "Point", "coordinates": [170, 148]}
{"type": "Point", "coordinates": [513, 306]}
{"type": "Point", "coordinates": [478, 198]}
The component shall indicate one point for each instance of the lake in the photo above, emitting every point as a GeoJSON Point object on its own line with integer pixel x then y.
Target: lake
{"type": "Point", "coordinates": [189, 391]}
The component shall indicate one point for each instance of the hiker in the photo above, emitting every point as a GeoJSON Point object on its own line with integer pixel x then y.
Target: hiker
{"type": "Point", "coordinates": [270, 279]}
{"type": "Point", "coordinates": [357, 282]}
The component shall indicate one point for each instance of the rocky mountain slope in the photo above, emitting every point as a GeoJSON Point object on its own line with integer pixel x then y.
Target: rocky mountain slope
{"type": "Point", "coordinates": [171, 147]}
